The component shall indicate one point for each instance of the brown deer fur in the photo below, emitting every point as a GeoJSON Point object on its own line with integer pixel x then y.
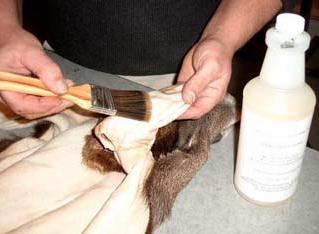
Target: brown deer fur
{"type": "Point", "coordinates": [180, 150]}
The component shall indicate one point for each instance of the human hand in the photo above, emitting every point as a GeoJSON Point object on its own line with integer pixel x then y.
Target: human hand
{"type": "Point", "coordinates": [22, 53]}
{"type": "Point", "coordinates": [206, 72]}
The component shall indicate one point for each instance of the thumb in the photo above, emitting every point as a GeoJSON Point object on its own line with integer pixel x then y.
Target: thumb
{"type": "Point", "coordinates": [198, 82]}
{"type": "Point", "coordinates": [44, 68]}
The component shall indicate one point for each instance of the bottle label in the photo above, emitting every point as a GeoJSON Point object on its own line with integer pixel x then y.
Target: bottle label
{"type": "Point", "coordinates": [270, 155]}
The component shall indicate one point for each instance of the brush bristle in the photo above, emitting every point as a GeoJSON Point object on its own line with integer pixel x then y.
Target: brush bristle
{"type": "Point", "coordinates": [132, 104]}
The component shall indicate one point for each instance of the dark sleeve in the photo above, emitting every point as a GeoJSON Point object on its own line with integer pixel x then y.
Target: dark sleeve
{"type": "Point", "coordinates": [288, 5]}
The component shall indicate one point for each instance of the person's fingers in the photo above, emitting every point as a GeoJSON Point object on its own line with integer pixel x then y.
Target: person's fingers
{"type": "Point", "coordinates": [48, 71]}
{"type": "Point", "coordinates": [208, 71]}
{"type": "Point", "coordinates": [1, 100]}
{"type": "Point", "coordinates": [64, 104]}
{"type": "Point", "coordinates": [209, 97]}
{"type": "Point", "coordinates": [30, 106]}
{"type": "Point", "coordinates": [187, 69]}
{"type": "Point", "coordinates": [69, 82]}
{"type": "Point", "coordinates": [29, 102]}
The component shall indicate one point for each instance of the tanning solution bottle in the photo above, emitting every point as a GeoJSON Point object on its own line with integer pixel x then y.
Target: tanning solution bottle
{"type": "Point", "coordinates": [276, 116]}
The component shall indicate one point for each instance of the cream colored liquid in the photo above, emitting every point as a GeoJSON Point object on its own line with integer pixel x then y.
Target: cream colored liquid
{"type": "Point", "coordinates": [274, 130]}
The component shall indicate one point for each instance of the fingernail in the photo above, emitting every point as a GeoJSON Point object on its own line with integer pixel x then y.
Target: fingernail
{"type": "Point", "coordinates": [69, 82]}
{"type": "Point", "coordinates": [61, 87]}
{"type": "Point", "coordinates": [190, 97]}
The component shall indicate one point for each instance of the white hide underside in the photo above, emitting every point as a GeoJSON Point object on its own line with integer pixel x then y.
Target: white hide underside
{"type": "Point", "coordinates": [45, 188]}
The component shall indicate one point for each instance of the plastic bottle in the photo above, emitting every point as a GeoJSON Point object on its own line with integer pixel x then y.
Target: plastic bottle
{"type": "Point", "coordinates": [276, 116]}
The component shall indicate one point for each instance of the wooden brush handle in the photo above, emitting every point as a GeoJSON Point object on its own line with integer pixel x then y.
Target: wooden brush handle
{"type": "Point", "coordinates": [79, 95]}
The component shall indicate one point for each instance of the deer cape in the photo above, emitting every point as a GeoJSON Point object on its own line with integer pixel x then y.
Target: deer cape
{"type": "Point", "coordinates": [46, 185]}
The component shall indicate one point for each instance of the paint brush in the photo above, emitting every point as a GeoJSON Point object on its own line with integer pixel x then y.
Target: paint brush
{"type": "Point", "coordinates": [127, 103]}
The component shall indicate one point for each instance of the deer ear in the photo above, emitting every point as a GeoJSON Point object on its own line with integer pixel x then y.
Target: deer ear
{"type": "Point", "coordinates": [98, 131]}
{"type": "Point", "coordinates": [96, 157]}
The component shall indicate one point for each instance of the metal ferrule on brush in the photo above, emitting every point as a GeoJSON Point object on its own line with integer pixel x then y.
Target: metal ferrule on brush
{"type": "Point", "coordinates": [102, 100]}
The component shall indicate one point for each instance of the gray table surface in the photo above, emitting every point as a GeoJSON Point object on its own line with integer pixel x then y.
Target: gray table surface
{"type": "Point", "coordinates": [210, 203]}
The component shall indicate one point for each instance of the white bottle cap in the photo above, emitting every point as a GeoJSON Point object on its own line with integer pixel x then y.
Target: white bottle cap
{"type": "Point", "coordinates": [290, 24]}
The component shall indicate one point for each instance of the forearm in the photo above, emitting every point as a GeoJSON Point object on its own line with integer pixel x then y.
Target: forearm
{"type": "Point", "coordinates": [236, 21]}
{"type": "Point", "coordinates": [10, 18]}
{"type": "Point", "coordinates": [10, 13]}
